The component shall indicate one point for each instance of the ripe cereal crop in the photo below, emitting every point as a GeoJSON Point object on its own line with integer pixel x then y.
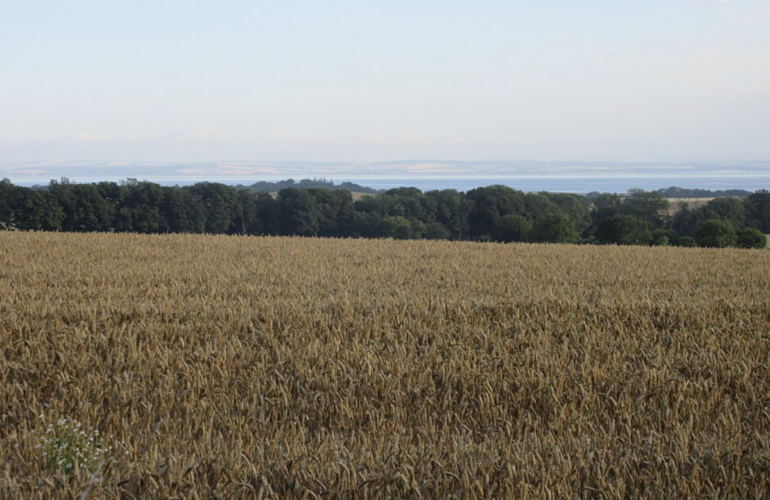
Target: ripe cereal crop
{"type": "Point", "coordinates": [239, 367]}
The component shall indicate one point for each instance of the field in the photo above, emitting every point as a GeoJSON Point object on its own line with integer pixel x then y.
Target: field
{"type": "Point", "coordinates": [234, 367]}
{"type": "Point", "coordinates": [676, 204]}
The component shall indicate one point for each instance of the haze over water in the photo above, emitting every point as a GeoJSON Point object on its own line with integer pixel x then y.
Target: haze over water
{"type": "Point", "coordinates": [187, 82]}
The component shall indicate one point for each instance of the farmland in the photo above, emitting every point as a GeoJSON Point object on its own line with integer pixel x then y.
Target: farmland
{"type": "Point", "coordinates": [243, 367]}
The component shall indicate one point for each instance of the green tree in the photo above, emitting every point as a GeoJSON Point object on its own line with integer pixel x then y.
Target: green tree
{"type": "Point", "coordinates": [437, 231]}
{"type": "Point", "coordinates": [732, 209]}
{"type": "Point", "coordinates": [511, 228]}
{"type": "Point", "coordinates": [716, 233]}
{"type": "Point", "coordinates": [750, 237]}
{"type": "Point", "coordinates": [334, 210]}
{"type": "Point", "coordinates": [299, 212]}
{"type": "Point", "coordinates": [89, 211]}
{"type": "Point", "coordinates": [554, 228]}
{"type": "Point", "coordinates": [758, 210]}
{"type": "Point", "coordinates": [220, 204]}
{"type": "Point", "coordinates": [664, 237]}
{"type": "Point", "coordinates": [488, 204]}
{"type": "Point", "coordinates": [623, 230]}
{"type": "Point", "coordinates": [575, 206]}
{"type": "Point", "coordinates": [451, 211]}
{"type": "Point", "coordinates": [182, 211]}
{"type": "Point", "coordinates": [39, 211]}
{"type": "Point", "coordinates": [397, 227]}
{"type": "Point", "coordinates": [606, 205]}
{"type": "Point", "coordinates": [538, 206]}
{"type": "Point", "coordinates": [649, 206]}
{"type": "Point", "coordinates": [8, 202]}
{"type": "Point", "coordinates": [140, 207]}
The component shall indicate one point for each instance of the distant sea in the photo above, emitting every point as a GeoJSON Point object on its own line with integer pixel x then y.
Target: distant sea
{"type": "Point", "coordinates": [556, 184]}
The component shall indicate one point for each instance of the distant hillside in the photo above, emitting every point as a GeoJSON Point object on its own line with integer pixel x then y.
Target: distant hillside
{"type": "Point", "coordinates": [677, 192]}
{"type": "Point", "coordinates": [273, 187]}
{"type": "Point", "coordinates": [685, 193]}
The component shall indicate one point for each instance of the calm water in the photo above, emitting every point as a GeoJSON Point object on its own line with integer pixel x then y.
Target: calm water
{"type": "Point", "coordinates": [562, 184]}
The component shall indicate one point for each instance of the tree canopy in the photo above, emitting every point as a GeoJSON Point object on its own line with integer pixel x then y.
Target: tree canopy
{"type": "Point", "coordinates": [493, 213]}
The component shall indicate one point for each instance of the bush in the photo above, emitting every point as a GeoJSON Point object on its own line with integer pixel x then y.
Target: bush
{"type": "Point", "coordinates": [555, 228]}
{"type": "Point", "coordinates": [511, 228]}
{"type": "Point", "coordinates": [751, 238]}
{"type": "Point", "coordinates": [687, 242]}
{"type": "Point", "coordinates": [68, 447]}
{"type": "Point", "coordinates": [664, 237]}
{"type": "Point", "coordinates": [716, 233]}
{"type": "Point", "coordinates": [436, 231]}
{"type": "Point", "coordinates": [623, 230]}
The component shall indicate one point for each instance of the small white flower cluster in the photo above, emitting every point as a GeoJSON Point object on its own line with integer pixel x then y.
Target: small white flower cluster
{"type": "Point", "coordinates": [67, 446]}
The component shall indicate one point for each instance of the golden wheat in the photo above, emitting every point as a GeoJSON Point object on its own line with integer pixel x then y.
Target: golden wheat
{"type": "Point", "coordinates": [230, 367]}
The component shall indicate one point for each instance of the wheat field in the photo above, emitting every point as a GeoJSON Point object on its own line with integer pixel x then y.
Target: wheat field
{"type": "Point", "coordinates": [236, 367]}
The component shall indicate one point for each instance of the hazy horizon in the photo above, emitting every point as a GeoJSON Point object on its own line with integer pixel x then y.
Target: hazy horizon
{"type": "Point", "coordinates": [193, 81]}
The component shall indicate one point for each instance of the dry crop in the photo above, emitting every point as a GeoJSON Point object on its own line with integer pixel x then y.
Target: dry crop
{"type": "Point", "coordinates": [232, 367]}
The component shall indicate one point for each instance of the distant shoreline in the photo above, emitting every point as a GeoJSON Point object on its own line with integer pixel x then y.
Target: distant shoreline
{"type": "Point", "coordinates": [576, 184]}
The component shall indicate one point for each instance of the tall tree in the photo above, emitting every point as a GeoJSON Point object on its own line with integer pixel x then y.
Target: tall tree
{"type": "Point", "coordinates": [220, 203]}
{"type": "Point", "coordinates": [451, 212]}
{"type": "Point", "coordinates": [758, 210]}
{"type": "Point", "coordinates": [649, 206]}
{"type": "Point", "coordinates": [299, 212]}
{"type": "Point", "coordinates": [623, 230]}
{"type": "Point", "coordinates": [491, 203]}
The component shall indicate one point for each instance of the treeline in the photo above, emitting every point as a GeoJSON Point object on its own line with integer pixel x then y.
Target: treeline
{"type": "Point", "coordinates": [494, 213]}
{"type": "Point", "coordinates": [678, 192]}
{"type": "Point", "coordinates": [309, 183]}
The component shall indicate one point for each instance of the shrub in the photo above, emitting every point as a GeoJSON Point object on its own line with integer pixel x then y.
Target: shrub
{"type": "Point", "coordinates": [67, 447]}
{"type": "Point", "coordinates": [716, 233]}
{"type": "Point", "coordinates": [555, 228]}
{"type": "Point", "coordinates": [750, 237]}
{"type": "Point", "coordinates": [623, 230]}
{"type": "Point", "coordinates": [511, 228]}
{"type": "Point", "coordinates": [664, 237]}
{"type": "Point", "coordinates": [687, 241]}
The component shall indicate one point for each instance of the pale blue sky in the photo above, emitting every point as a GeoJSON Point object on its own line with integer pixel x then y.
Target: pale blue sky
{"type": "Point", "coordinates": [173, 80]}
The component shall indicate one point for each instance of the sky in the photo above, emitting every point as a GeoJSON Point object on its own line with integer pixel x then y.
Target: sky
{"type": "Point", "coordinates": [332, 80]}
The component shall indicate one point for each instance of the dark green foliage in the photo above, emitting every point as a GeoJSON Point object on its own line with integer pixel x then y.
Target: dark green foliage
{"type": "Point", "coordinates": [334, 211]}
{"type": "Point", "coordinates": [397, 227]}
{"type": "Point", "coordinates": [648, 206]}
{"type": "Point", "coordinates": [495, 213]}
{"type": "Point", "coordinates": [220, 205]}
{"type": "Point", "coordinates": [732, 209]}
{"type": "Point", "coordinates": [685, 220]}
{"type": "Point", "coordinates": [451, 210]}
{"type": "Point", "coordinates": [184, 212]}
{"type": "Point", "coordinates": [575, 206]}
{"type": "Point", "coordinates": [664, 237]}
{"type": "Point", "coordinates": [274, 187]}
{"type": "Point", "coordinates": [623, 230]}
{"type": "Point", "coordinates": [88, 210]}
{"type": "Point", "coordinates": [716, 233]}
{"type": "Point", "coordinates": [687, 241]}
{"type": "Point", "coordinates": [488, 204]}
{"type": "Point", "coordinates": [749, 237]}
{"type": "Point", "coordinates": [555, 228]}
{"type": "Point", "coordinates": [38, 211]}
{"type": "Point", "coordinates": [8, 204]}
{"type": "Point", "coordinates": [511, 228]}
{"type": "Point", "coordinates": [140, 206]}
{"type": "Point", "coordinates": [677, 192]}
{"type": "Point", "coordinates": [299, 213]}
{"type": "Point", "coordinates": [758, 210]}
{"type": "Point", "coordinates": [437, 231]}
{"type": "Point", "coordinates": [605, 205]}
